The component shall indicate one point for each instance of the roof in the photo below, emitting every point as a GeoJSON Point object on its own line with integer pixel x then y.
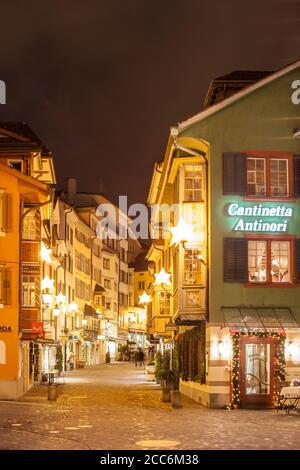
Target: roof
{"type": "Point", "coordinates": [237, 96]}
{"type": "Point", "coordinates": [229, 84]}
{"type": "Point", "coordinates": [19, 136]}
{"type": "Point", "coordinates": [140, 263]}
{"type": "Point", "coordinates": [244, 75]}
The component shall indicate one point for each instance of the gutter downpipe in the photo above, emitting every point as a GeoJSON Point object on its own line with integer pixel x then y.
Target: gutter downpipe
{"type": "Point", "coordinates": [174, 133]}
{"type": "Point", "coordinates": [66, 212]}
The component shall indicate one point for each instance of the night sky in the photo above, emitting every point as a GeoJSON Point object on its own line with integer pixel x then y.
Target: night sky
{"type": "Point", "coordinates": [101, 81]}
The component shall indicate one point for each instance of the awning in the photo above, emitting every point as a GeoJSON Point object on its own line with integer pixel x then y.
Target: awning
{"type": "Point", "coordinates": [99, 289]}
{"type": "Point", "coordinates": [89, 310]}
{"type": "Point", "coordinates": [259, 318]}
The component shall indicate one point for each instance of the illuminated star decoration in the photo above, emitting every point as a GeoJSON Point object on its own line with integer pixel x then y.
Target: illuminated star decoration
{"type": "Point", "coordinates": [47, 284]}
{"type": "Point", "coordinates": [45, 253]}
{"type": "Point", "coordinates": [144, 298]}
{"type": "Point", "coordinates": [183, 232]}
{"type": "Point", "coordinates": [60, 298]}
{"type": "Point", "coordinates": [162, 278]}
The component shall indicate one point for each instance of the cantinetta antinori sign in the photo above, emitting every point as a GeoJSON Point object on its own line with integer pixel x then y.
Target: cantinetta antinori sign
{"type": "Point", "coordinates": [254, 218]}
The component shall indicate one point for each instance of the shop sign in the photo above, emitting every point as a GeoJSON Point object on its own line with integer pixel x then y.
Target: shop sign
{"type": "Point", "coordinates": [5, 329]}
{"type": "Point", "coordinates": [278, 217]}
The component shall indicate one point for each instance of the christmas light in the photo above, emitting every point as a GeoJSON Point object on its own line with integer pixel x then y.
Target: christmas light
{"type": "Point", "coordinates": [183, 232]}
{"type": "Point", "coordinates": [144, 298]}
{"type": "Point", "coordinates": [47, 283]}
{"type": "Point", "coordinates": [162, 278]}
{"type": "Point", "coordinates": [60, 298]}
{"type": "Point", "coordinates": [45, 253]}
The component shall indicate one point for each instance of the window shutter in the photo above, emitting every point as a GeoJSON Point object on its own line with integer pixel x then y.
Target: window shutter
{"type": "Point", "coordinates": [234, 173]}
{"type": "Point", "coordinates": [297, 175]}
{"type": "Point", "coordinates": [235, 260]}
{"type": "Point", "coordinates": [6, 286]}
{"type": "Point", "coordinates": [297, 259]}
{"type": "Point", "coordinates": [7, 215]}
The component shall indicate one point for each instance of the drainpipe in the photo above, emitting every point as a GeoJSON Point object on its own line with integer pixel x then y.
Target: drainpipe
{"type": "Point", "coordinates": [174, 133]}
{"type": "Point", "coordinates": [65, 280]}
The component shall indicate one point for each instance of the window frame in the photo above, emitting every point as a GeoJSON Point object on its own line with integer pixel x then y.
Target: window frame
{"type": "Point", "coordinates": [269, 239]}
{"type": "Point", "coordinates": [267, 157]}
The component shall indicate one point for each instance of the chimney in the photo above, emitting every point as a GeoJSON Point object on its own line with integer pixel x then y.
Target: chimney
{"type": "Point", "coordinates": [71, 186]}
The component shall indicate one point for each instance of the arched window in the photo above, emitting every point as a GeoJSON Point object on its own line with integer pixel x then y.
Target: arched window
{"type": "Point", "coordinates": [2, 353]}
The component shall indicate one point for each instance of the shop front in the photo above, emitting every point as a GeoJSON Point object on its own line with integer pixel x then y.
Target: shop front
{"type": "Point", "coordinates": [259, 339]}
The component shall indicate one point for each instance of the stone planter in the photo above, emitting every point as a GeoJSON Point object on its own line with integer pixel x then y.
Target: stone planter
{"type": "Point", "coordinates": [150, 374]}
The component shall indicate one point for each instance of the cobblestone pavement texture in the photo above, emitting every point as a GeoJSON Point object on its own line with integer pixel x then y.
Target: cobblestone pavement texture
{"type": "Point", "coordinates": [112, 407]}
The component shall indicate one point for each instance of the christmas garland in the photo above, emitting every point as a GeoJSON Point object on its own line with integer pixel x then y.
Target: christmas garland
{"type": "Point", "coordinates": [191, 361]}
{"type": "Point", "coordinates": [279, 355]}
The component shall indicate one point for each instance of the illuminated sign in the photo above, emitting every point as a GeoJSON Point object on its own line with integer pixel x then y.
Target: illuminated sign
{"type": "Point", "coordinates": [259, 212]}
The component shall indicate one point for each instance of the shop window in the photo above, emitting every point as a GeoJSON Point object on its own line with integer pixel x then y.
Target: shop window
{"type": "Point", "coordinates": [193, 182]}
{"type": "Point", "coordinates": [269, 261]}
{"type": "Point", "coordinates": [164, 303]}
{"type": "Point", "coordinates": [28, 291]}
{"type": "Point", "coordinates": [192, 266]}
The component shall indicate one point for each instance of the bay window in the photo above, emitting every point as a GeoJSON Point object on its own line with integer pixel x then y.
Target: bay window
{"type": "Point", "coordinates": [193, 182]}
{"type": "Point", "coordinates": [192, 266]}
{"type": "Point", "coordinates": [164, 299]}
{"type": "Point", "coordinates": [28, 291]}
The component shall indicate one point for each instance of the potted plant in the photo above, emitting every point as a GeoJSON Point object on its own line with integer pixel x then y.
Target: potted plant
{"type": "Point", "coordinates": [150, 371]}
{"type": "Point", "coordinates": [107, 357]}
{"type": "Point", "coordinates": [158, 365]}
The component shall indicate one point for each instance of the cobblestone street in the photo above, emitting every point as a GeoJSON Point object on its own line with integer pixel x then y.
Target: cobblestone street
{"type": "Point", "coordinates": [112, 407]}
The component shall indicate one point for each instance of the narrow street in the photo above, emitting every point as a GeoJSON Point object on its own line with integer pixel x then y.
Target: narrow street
{"type": "Point", "coordinates": [112, 407]}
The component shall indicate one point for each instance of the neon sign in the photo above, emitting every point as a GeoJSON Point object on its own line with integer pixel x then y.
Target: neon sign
{"type": "Point", "coordinates": [259, 212]}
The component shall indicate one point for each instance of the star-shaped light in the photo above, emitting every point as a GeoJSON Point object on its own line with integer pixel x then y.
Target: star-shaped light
{"type": "Point", "coordinates": [162, 278]}
{"type": "Point", "coordinates": [60, 298]}
{"type": "Point", "coordinates": [47, 283]}
{"type": "Point", "coordinates": [45, 253]}
{"type": "Point", "coordinates": [144, 298]}
{"type": "Point", "coordinates": [73, 307]}
{"type": "Point", "coordinates": [183, 232]}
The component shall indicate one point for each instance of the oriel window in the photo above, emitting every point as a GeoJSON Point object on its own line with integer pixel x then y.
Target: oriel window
{"type": "Point", "coordinates": [193, 183]}
{"type": "Point", "coordinates": [164, 303]}
{"type": "Point", "coordinates": [28, 291]}
{"type": "Point", "coordinates": [192, 266]}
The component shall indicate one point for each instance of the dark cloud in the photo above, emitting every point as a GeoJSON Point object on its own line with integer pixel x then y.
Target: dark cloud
{"type": "Point", "coordinates": [101, 81]}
